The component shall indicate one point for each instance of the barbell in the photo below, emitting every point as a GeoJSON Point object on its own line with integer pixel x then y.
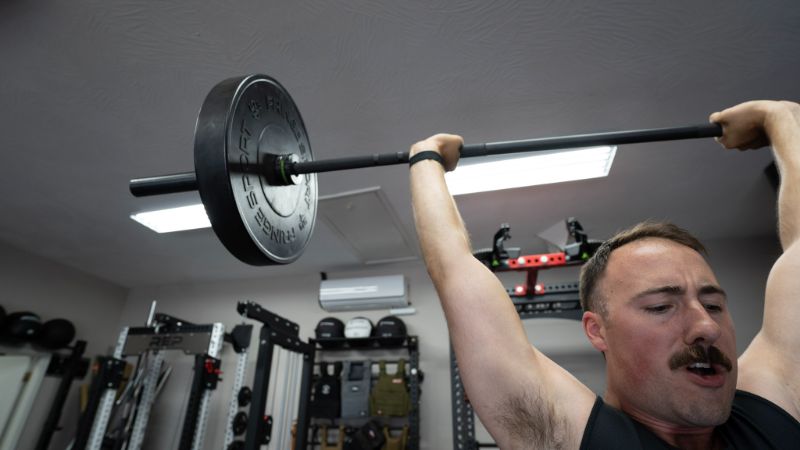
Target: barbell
{"type": "Point", "coordinates": [256, 174]}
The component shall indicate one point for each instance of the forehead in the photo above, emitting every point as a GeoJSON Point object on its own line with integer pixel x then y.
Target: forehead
{"type": "Point", "coordinates": [652, 262]}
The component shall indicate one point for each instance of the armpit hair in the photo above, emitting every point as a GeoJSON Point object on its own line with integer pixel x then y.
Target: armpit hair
{"type": "Point", "coordinates": [531, 421]}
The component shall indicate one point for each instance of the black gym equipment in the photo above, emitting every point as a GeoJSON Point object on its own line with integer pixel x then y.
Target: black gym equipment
{"type": "Point", "coordinates": [239, 338]}
{"type": "Point", "coordinates": [329, 332]}
{"type": "Point", "coordinates": [244, 396]}
{"type": "Point", "coordinates": [391, 330]}
{"type": "Point", "coordinates": [149, 344]}
{"type": "Point", "coordinates": [67, 368]}
{"type": "Point", "coordinates": [56, 334]}
{"type": "Point", "coordinates": [239, 423]}
{"type": "Point", "coordinates": [21, 327]}
{"type": "Point", "coordinates": [107, 375]}
{"type": "Point", "coordinates": [284, 333]}
{"type": "Point", "coordinates": [256, 175]}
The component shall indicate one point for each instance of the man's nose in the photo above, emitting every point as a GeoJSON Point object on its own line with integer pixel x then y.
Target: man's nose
{"type": "Point", "coordinates": [701, 326]}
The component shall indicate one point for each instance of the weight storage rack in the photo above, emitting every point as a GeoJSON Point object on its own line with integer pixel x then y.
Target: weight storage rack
{"type": "Point", "coordinates": [414, 379]}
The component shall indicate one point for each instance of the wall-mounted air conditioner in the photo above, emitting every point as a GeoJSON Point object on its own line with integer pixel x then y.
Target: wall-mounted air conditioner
{"type": "Point", "coordinates": [356, 294]}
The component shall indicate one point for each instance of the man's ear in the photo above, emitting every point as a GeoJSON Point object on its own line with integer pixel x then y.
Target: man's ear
{"type": "Point", "coordinates": [595, 329]}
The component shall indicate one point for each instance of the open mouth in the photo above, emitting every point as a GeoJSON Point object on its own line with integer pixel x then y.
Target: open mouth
{"type": "Point", "coordinates": [702, 369]}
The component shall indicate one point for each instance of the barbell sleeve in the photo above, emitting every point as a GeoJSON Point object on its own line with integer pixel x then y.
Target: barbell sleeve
{"type": "Point", "coordinates": [164, 184]}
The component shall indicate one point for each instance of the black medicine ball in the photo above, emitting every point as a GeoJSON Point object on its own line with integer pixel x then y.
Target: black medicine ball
{"type": "Point", "coordinates": [391, 330]}
{"type": "Point", "coordinates": [56, 333]}
{"type": "Point", "coordinates": [22, 326]}
{"type": "Point", "coordinates": [329, 328]}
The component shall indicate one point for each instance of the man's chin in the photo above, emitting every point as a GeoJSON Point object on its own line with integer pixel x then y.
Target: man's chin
{"type": "Point", "coordinates": [706, 412]}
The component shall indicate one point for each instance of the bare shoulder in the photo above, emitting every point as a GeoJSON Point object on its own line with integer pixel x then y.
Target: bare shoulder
{"type": "Point", "coordinates": [762, 373]}
{"type": "Point", "coordinates": [550, 411]}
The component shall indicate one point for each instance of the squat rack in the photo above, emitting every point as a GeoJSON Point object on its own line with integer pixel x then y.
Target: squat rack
{"type": "Point", "coordinates": [148, 344]}
{"type": "Point", "coordinates": [282, 332]}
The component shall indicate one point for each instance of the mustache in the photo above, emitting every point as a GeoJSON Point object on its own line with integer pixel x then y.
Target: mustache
{"type": "Point", "coordinates": [699, 354]}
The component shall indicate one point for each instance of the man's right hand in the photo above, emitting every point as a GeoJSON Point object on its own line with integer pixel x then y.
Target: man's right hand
{"type": "Point", "coordinates": [749, 125]}
{"type": "Point", "coordinates": [447, 145]}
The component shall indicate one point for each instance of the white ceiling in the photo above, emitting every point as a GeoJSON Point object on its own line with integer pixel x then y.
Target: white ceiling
{"type": "Point", "coordinates": [96, 92]}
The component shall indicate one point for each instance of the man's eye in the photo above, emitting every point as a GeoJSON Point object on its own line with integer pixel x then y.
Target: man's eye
{"type": "Point", "coordinates": [713, 308]}
{"type": "Point", "coordinates": [658, 309]}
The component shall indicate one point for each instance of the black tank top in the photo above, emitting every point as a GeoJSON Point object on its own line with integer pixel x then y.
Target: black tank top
{"type": "Point", "coordinates": [755, 423]}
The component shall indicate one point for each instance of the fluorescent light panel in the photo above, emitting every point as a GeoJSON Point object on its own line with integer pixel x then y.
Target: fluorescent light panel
{"type": "Point", "coordinates": [174, 219]}
{"type": "Point", "coordinates": [503, 172]}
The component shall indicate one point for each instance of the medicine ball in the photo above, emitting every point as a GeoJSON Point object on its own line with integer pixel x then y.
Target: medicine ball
{"type": "Point", "coordinates": [22, 326]}
{"type": "Point", "coordinates": [329, 328]}
{"type": "Point", "coordinates": [356, 328]}
{"type": "Point", "coordinates": [391, 330]}
{"type": "Point", "coordinates": [56, 334]}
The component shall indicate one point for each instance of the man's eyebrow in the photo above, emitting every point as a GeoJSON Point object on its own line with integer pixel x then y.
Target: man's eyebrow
{"type": "Point", "coordinates": [712, 289]}
{"type": "Point", "coordinates": [670, 290]}
{"type": "Point", "coordinates": [678, 290]}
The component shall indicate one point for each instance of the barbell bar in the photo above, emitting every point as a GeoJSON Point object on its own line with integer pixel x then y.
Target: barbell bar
{"type": "Point", "coordinates": [186, 182]}
{"type": "Point", "coordinates": [256, 175]}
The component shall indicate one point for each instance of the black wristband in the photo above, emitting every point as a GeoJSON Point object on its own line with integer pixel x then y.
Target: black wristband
{"type": "Point", "coordinates": [428, 154]}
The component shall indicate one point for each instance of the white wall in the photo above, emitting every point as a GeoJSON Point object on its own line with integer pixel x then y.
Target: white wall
{"type": "Point", "coordinates": [51, 290]}
{"type": "Point", "coordinates": [741, 266]}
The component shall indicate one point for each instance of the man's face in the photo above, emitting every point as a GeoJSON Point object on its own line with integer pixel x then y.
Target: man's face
{"type": "Point", "coordinates": [667, 322]}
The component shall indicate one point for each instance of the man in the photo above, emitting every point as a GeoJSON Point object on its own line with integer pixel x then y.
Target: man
{"type": "Point", "coordinates": [653, 307]}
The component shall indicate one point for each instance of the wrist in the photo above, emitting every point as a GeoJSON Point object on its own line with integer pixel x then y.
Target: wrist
{"type": "Point", "coordinates": [425, 155]}
{"type": "Point", "coordinates": [777, 115]}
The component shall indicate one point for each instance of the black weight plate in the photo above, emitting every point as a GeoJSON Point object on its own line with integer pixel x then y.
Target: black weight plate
{"type": "Point", "coordinates": [244, 396]}
{"type": "Point", "coordinates": [239, 423]}
{"type": "Point", "coordinates": [243, 122]}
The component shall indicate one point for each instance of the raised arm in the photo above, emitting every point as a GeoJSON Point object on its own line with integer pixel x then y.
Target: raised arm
{"type": "Point", "coordinates": [522, 397]}
{"type": "Point", "coordinates": [770, 365]}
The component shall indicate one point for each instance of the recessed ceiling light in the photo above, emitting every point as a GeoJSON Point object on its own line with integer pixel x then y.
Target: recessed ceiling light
{"type": "Point", "coordinates": [507, 172]}
{"type": "Point", "coordinates": [174, 219]}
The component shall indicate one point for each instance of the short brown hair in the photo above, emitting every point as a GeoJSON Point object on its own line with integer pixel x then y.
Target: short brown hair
{"type": "Point", "coordinates": [593, 270]}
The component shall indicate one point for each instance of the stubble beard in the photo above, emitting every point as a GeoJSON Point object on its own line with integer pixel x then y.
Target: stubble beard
{"type": "Point", "coordinates": [679, 405]}
{"type": "Point", "coordinates": [702, 412]}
